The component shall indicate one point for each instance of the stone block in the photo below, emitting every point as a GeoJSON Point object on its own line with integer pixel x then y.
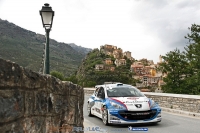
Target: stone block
{"type": "Point", "coordinates": [11, 105]}
{"type": "Point", "coordinates": [15, 126]}
{"type": "Point", "coordinates": [32, 80]}
{"type": "Point", "coordinates": [10, 74]}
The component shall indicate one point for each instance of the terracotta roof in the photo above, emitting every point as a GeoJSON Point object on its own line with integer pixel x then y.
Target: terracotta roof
{"type": "Point", "coordinates": [136, 65]}
{"type": "Point", "coordinates": [144, 90]}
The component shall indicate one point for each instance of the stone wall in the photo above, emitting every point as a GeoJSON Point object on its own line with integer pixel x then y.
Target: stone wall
{"type": "Point", "coordinates": [35, 103]}
{"type": "Point", "coordinates": [190, 103]}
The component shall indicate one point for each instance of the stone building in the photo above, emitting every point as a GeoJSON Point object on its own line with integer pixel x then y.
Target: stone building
{"type": "Point", "coordinates": [99, 67]}
{"type": "Point", "coordinates": [109, 67]}
{"type": "Point", "coordinates": [128, 55]}
{"type": "Point", "coordinates": [108, 61]}
{"type": "Point", "coordinates": [137, 69]}
{"type": "Point", "coordinates": [120, 62]}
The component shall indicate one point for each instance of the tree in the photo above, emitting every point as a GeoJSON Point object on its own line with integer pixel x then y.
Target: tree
{"type": "Point", "coordinates": [72, 78]}
{"type": "Point", "coordinates": [57, 75]}
{"type": "Point", "coordinates": [174, 66]}
{"type": "Point", "coordinates": [193, 56]}
{"type": "Point", "coordinates": [128, 63]}
{"type": "Point", "coordinates": [183, 69]}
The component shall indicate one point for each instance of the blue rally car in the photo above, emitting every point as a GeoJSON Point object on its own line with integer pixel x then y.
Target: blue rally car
{"type": "Point", "coordinates": [122, 104]}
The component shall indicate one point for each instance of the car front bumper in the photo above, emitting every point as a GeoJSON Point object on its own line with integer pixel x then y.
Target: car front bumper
{"type": "Point", "coordinates": [115, 118]}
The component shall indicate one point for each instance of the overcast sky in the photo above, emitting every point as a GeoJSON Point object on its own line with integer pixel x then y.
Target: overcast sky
{"type": "Point", "coordinates": [147, 28]}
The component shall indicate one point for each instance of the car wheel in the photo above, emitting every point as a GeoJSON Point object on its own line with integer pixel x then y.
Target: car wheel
{"type": "Point", "coordinates": [89, 110]}
{"type": "Point", "coordinates": [105, 116]}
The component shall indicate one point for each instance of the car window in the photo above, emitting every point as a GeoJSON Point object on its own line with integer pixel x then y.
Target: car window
{"type": "Point", "coordinates": [124, 92]}
{"type": "Point", "coordinates": [96, 91]}
{"type": "Point", "coordinates": [101, 92]}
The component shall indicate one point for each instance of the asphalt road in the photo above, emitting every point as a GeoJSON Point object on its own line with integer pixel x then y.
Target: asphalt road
{"type": "Point", "coordinates": [171, 123]}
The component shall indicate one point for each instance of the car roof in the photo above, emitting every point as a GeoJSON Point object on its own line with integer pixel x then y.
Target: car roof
{"type": "Point", "coordinates": [109, 86]}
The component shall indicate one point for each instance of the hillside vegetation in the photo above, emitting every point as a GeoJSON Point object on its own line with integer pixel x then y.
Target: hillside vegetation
{"type": "Point", "coordinates": [26, 48]}
{"type": "Point", "coordinates": [88, 76]}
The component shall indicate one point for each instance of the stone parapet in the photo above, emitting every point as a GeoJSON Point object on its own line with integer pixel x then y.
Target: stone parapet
{"type": "Point", "coordinates": [31, 102]}
{"type": "Point", "coordinates": [190, 103]}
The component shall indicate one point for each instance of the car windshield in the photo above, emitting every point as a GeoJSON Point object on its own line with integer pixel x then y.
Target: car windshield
{"type": "Point", "coordinates": [124, 92]}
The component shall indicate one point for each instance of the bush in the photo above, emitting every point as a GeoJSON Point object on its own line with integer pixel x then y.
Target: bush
{"type": "Point", "coordinates": [58, 75]}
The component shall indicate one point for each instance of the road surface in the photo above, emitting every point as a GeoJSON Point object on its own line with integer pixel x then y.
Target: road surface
{"type": "Point", "coordinates": [171, 123]}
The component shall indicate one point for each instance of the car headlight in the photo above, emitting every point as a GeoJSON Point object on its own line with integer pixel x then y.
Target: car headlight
{"type": "Point", "coordinates": [153, 104]}
{"type": "Point", "coordinates": [118, 106]}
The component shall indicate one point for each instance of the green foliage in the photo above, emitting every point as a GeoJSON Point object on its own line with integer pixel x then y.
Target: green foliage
{"type": "Point", "coordinates": [57, 75]}
{"type": "Point", "coordinates": [183, 69]}
{"type": "Point", "coordinates": [193, 56]}
{"type": "Point", "coordinates": [26, 49]}
{"type": "Point", "coordinates": [128, 63]}
{"type": "Point", "coordinates": [88, 77]}
{"type": "Point", "coordinates": [72, 78]}
{"type": "Point", "coordinates": [89, 83]}
{"type": "Point", "coordinates": [173, 66]}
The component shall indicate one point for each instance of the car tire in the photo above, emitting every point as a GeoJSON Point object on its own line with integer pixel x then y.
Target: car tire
{"type": "Point", "coordinates": [105, 116]}
{"type": "Point", "coordinates": [89, 110]}
{"type": "Point", "coordinates": [155, 123]}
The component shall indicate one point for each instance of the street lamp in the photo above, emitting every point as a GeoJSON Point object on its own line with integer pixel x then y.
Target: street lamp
{"type": "Point", "coordinates": [47, 20]}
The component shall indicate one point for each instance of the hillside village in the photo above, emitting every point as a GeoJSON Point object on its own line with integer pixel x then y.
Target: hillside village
{"type": "Point", "coordinates": [143, 70]}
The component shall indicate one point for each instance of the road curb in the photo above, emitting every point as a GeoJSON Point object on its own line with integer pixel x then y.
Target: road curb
{"type": "Point", "coordinates": [175, 111]}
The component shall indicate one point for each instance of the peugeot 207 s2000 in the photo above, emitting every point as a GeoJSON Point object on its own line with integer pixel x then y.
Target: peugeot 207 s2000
{"type": "Point", "coordinates": [122, 104]}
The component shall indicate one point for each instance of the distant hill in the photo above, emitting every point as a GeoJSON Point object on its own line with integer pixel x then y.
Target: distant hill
{"type": "Point", "coordinates": [80, 48]}
{"type": "Point", "coordinates": [26, 48]}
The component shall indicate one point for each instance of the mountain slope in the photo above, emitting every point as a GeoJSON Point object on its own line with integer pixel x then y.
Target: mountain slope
{"type": "Point", "coordinates": [80, 48]}
{"type": "Point", "coordinates": [26, 48]}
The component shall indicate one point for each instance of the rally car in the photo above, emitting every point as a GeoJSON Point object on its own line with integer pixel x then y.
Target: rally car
{"type": "Point", "coordinates": [122, 104]}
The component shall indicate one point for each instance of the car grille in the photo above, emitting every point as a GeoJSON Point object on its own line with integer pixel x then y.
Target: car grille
{"type": "Point", "coordinates": [137, 115]}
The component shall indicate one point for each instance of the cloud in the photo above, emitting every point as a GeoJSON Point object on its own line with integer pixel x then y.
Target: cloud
{"type": "Point", "coordinates": [147, 28]}
{"type": "Point", "coordinates": [167, 20]}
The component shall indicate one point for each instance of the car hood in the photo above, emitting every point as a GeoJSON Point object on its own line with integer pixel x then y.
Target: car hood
{"type": "Point", "coordinates": [133, 103]}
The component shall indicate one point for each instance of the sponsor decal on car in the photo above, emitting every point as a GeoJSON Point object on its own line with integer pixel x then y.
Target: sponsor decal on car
{"type": "Point", "coordinates": [145, 113]}
{"type": "Point", "coordinates": [115, 121]}
{"type": "Point", "coordinates": [134, 101]}
{"type": "Point", "coordinates": [113, 111]}
{"type": "Point", "coordinates": [133, 98]}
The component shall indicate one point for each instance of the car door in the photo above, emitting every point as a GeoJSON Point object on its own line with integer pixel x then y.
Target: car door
{"type": "Point", "coordinates": [99, 101]}
{"type": "Point", "coordinates": [93, 100]}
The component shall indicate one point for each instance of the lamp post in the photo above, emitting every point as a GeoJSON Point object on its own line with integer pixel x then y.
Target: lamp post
{"type": "Point", "coordinates": [47, 20]}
